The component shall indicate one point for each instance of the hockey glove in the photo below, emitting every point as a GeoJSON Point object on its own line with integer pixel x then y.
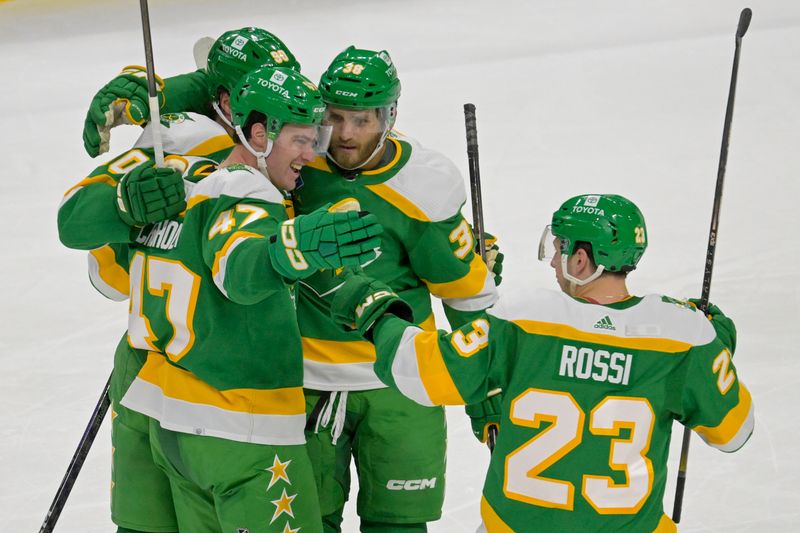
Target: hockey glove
{"type": "Point", "coordinates": [324, 240]}
{"type": "Point", "coordinates": [724, 326]}
{"type": "Point", "coordinates": [494, 259]}
{"type": "Point", "coordinates": [123, 100]}
{"type": "Point", "coordinates": [148, 194]}
{"type": "Point", "coordinates": [362, 300]}
{"type": "Point", "coordinates": [484, 415]}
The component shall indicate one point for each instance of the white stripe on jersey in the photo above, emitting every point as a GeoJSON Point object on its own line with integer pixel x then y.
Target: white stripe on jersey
{"type": "Point", "coordinates": [208, 420]}
{"type": "Point", "coordinates": [485, 298]}
{"type": "Point", "coordinates": [651, 317]}
{"type": "Point", "coordinates": [405, 369]}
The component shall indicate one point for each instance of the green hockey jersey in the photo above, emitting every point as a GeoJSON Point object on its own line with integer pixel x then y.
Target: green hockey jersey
{"type": "Point", "coordinates": [426, 248]}
{"type": "Point", "coordinates": [589, 395]}
{"type": "Point", "coordinates": [218, 322]}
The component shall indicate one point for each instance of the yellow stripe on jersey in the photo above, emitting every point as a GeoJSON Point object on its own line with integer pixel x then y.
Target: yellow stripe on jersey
{"type": "Point", "coordinates": [665, 525]}
{"type": "Point", "coordinates": [570, 333]}
{"type": "Point", "coordinates": [110, 270]}
{"type": "Point", "coordinates": [471, 284]}
{"type": "Point", "coordinates": [338, 352]}
{"type": "Point", "coordinates": [211, 146]}
{"type": "Point", "coordinates": [397, 153]}
{"type": "Point", "coordinates": [399, 201]}
{"type": "Point", "coordinates": [730, 425]}
{"type": "Point", "coordinates": [494, 524]}
{"type": "Point", "coordinates": [429, 324]}
{"type": "Point", "coordinates": [433, 372]}
{"type": "Point", "coordinates": [320, 163]}
{"type": "Point", "coordinates": [223, 252]}
{"type": "Point", "coordinates": [194, 200]}
{"type": "Point", "coordinates": [182, 385]}
{"type": "Point", "coordinates": [100, 178]}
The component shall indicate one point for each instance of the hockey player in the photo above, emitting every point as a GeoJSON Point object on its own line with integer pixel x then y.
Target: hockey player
{"type": "Point", "coordinates": [593, 378]}
{"type": "Point", "coordinates": [213, 309]}
{"type": "Point", "coordinates": [427, 248]}
{"type": "Point", "coordinates": [93, 217]}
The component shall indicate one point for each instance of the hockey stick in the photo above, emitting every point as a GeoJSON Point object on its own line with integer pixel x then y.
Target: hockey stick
{"type": "Point", "coordinates": [76, 463]}
{"type": "Point", "coordinates": [471, 125]}
{"type": "Point", "coordinates": [155, 111]}
{"type": "Point", "coordinates": [744, 23]}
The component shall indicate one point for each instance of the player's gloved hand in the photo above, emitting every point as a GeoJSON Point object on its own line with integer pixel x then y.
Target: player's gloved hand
{"type": "Point", "coordinates": [724, 326]}
{"type": "Point", "coordinates": [494, 259]}
{"type": "Point", "coordinates": [123, 100]}
{"type": "Point", "coordinates": [148, 194]}
{"type": "Point", "coordinates": [484, 415]}
{"type": "Point", "coordinates": [323, 240]}
{"type": "Point", "coordinates": [362, 300]}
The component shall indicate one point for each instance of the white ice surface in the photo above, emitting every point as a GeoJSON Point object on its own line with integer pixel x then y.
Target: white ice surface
{"type": "Point", "coordinates": [624, 96]}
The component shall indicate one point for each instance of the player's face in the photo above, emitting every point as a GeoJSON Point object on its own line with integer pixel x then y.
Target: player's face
{"type": "Point", "coordinates": [355, 135]}
{"type": "Point", "coordinates": [293, 148]}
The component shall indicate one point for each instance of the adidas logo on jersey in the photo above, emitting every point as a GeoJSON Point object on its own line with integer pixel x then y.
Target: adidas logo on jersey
{"type": "Point", "coordinates": [605, 323]}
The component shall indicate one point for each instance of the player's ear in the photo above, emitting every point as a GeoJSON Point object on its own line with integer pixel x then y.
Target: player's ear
{"type": "Point", "coordinates": [258, 136]}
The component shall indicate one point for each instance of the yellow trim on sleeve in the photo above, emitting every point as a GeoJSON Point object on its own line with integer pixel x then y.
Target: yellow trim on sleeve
{"type": "Point", "coordinates": [570, 333]}
{"type": "Point", "coordinates": [338, 352]}
{"type": "Point", "coordinates": [399, 201]}
{"type": "Point", "coordinates": [110, 270]}
{"type": "Point", "coordinates": [471, 284]}
{"type": "Point", "coordinates": [731, 424]}
{"type": "Point", "coordinates": [223, 252]}
{"type": "Point", "coordinates": [194, 200]}
{"type": "Point", "coordinates": [211, 146]}
{"type": "Point", "coordinates": [494, 524]}
{"type": "Point", "coordinates": [100, 178]}
{"type": "Point", "coordinates": [433, 372]}
{"type": "Point", "coordinates": [182, 385]}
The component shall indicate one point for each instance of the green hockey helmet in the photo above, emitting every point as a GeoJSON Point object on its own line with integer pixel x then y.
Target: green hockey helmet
{"type": "Point", "coordinates": [284, 96]}
{"type": "Point", "coordinates": [612, 224]}
{"type": "Point", "coordinates": [360, 79]}
{"type": "Point", "coordinates": [237, 52]}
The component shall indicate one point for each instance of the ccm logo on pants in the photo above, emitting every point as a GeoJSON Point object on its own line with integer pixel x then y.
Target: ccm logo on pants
{"type": "Point", "coordinates": [411, 484]}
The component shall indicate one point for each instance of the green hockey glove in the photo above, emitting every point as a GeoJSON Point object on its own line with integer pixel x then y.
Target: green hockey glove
{"type": "Point", "coordinates": [324, 240]}
{"type": "Point", "coordinates": [724, 326]}
{"type": "Point", "coordinates": [148, 194]}
{"type": "Point", "coordinates": [362, 300]}
{"type": "Point", "coordinates": [123, 100]}
{"type": "Point", "coordinates": [484, 415]}
{"type": "Point", "coordinates": [494, 259]}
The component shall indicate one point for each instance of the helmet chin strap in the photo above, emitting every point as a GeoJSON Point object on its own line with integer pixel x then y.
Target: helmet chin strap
{"type": "Point", "coordinates": [389, 123]}
{"type": "Point", "coordinates": [261, 157]}
{"type": "Point", "coordinates": [574, 282]}
{"type": "Point", "coordinates": [221, 114]}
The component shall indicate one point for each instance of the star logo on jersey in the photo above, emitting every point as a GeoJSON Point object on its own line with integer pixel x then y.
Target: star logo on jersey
{"type": "Point", "coordinates": [288, 529]}
{"type": "Point", "coordinates": [283, 505]}
{"type": "Point", "coordinates": [605, 323]}
{"type": "Point", "coordinates": [278, 471]}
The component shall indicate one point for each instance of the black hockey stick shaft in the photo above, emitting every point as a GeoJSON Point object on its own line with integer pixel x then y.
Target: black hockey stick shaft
{"type": "Point", "coordinates": [744, 23]}
{"type": "Point", "coordinates": [155, 112]}
{"type": "Point", "coordinates": [471, 125]}
{"type": "Point", "coordinates": [77, 461]}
